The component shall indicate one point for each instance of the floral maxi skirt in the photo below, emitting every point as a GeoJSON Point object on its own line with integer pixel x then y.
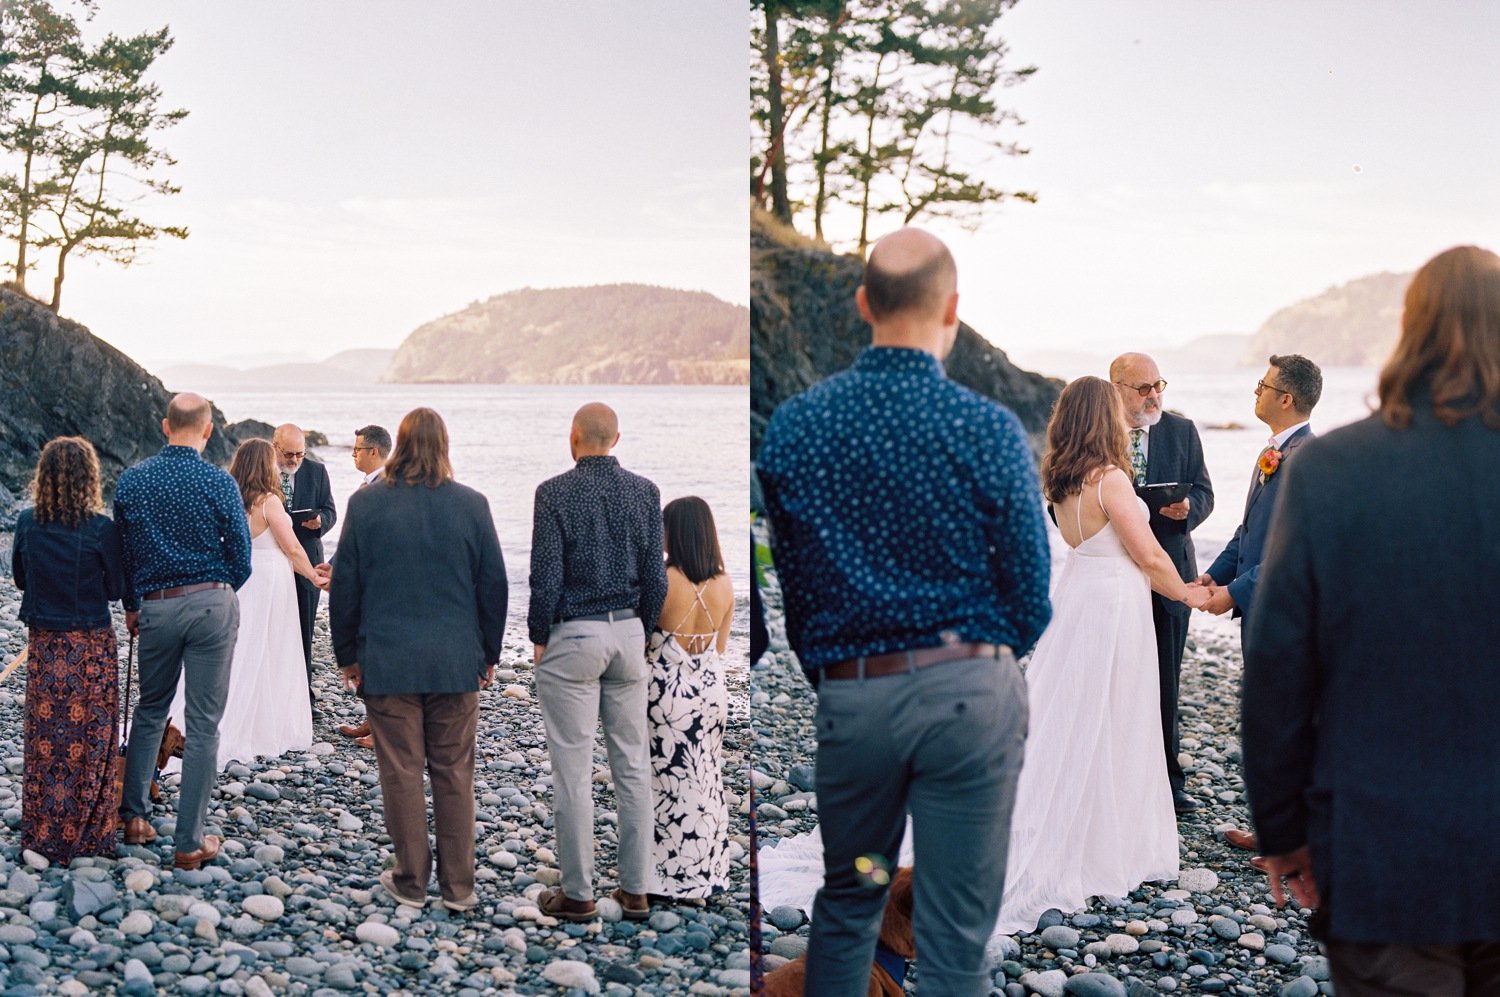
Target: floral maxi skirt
{"type": "Point", "coordinates": [68, 802]}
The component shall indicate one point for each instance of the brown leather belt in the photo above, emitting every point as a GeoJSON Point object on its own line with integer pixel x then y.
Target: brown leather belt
{"type": "Point", "coordinates": [876, 665]}
{"type": "Point", "coordinates": [173, 593]}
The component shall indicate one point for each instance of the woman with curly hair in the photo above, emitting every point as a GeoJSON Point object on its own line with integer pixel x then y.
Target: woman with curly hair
{"type": "Point", "coordinates": [66, 560]}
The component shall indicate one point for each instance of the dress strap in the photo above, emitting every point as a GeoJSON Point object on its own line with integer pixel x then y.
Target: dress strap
{"type": "Point", "coordinates": [1101, 497]}
{"type": "Point", "coordinates": [697, 601]}
{"type": "Point", "coordinates": [1078, 515]}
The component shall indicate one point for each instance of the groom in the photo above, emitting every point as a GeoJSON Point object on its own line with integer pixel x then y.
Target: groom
{"type": "Point", "coordinates": [1165, 447]}
{"type": "Point", "coordinates": [909, 538]}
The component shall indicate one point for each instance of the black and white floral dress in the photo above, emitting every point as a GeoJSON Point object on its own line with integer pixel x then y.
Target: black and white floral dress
{"type": "Point", "coordinates": [689, 706]}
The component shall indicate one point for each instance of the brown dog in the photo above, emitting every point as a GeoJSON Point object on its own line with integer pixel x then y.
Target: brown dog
{"type": "Point", "coordinates": [895, 939]}
{"type": "Point", "coordinates": [171, 746]}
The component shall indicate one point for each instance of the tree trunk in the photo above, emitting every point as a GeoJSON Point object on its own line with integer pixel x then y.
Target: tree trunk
{"type": "Point", "coordinates": [57, 282]}
{"type": "Point", "coordinates": [822, 159]}
{"type": "Point", "coordinates": [781, 206]}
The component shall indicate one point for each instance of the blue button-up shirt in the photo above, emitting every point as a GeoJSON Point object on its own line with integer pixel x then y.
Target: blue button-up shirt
{"type": "Point", "coordinates": [182, 522]}
{"type": "Point", "coordinates": [906, 511]}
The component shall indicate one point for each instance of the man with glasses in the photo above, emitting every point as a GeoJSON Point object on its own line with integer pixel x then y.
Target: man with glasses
{"type": "Point", "coordinates": [305, 489]}
{"type": "Point", "coordinates": [1165, 447]}
{"type": "Point", "coordinates": [372, 445]}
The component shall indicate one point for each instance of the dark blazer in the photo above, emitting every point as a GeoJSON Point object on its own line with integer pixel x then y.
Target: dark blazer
{"type": "Point", "coordinates": [419, 592]}
{"type": "Point", "coordinates": [1238, 564]}
{"type": "Point", "coordinates": [310, 490]}
{"type": "Point", "coordinates": [1175, 453]}
{"type": "Point", "coordinates": [1371, 677]}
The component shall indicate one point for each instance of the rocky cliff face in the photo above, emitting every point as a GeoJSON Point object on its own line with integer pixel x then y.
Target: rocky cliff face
{"type": "Point", "coordinates": [57, 379]}
{"type": "Point", "coordinates": [1352, 325]}
{"type": "Point", "coordinates": [804, 326]}
{"type": "Point", "coordinates": [610, 334]}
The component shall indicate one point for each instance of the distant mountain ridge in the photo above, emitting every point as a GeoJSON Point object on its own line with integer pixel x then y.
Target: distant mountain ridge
{"type": "Point", "coordinates": [349, 368]}
{"type": "Point", "coordinates": [1351, 325]}
{"type": "Point", "coordinates": [604, 334]}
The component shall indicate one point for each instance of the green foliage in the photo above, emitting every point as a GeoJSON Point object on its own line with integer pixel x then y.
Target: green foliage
{"type": "Point", "coordinates": [891, 106]}
{"type": "Point", "coordinates": [78, 128]}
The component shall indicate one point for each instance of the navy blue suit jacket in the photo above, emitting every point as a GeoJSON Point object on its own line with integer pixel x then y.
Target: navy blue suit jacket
{"type": "Point", "coordinates": [1238, 564]}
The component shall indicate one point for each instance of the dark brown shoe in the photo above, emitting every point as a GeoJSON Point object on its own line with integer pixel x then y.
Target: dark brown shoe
{"type": "Point", "coordinates": [635, 906]}
{"type": "Point", "coordinates": [194, 860]}
{"type": "Point", "coordinates": [1235, 838]}
{"type": "Point", "coordinates": [367, 741]}
{"type": "Point", "coordinates": [556, 903]}
{"type": "Point", "coordinates": [355, 730]}
{"type": "Point", "coordinates": [138, 831]}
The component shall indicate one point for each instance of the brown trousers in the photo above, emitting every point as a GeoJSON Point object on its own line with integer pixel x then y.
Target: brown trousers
{"type": "Point", "coordinates": [436, 732]}
{"type": "Point", "coordinates": [1471, 970]}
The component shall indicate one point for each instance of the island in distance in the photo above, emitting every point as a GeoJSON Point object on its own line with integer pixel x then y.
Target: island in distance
{"type": "Point", "coordinates": [607, 334]}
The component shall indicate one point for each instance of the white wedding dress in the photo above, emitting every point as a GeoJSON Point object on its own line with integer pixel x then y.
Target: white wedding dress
{"type": "Point", "coordinates": [1093, 813]}
{"type": "Point", "coordinates": [266, 711]}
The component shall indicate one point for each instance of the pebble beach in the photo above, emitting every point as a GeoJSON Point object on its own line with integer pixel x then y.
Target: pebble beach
{"type": "Point", "coordinates": [1214, 930]}
{"type": "Point", "coordinates": [292, 906]}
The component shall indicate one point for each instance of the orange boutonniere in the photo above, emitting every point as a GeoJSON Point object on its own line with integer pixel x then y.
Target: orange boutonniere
{"type": "Point", "coordinates": [1268, 463]}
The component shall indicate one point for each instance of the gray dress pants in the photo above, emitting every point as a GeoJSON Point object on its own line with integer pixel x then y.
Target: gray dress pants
{"type": "Point", "coordinates": [192, 635]}
{"type": "Point", "coordinates": [944, 743]}
{"type": "Point", "coordinates": [594, 670]}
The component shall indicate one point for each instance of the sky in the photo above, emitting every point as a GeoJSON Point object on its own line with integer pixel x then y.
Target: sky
{"type": "Point", "coordinates": [351, 170]}
{"type": "Point", "coordinates": [1202, 164]}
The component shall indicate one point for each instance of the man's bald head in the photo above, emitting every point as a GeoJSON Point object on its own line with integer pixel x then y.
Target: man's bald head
{"type": "Point", "coordinates": [289, 436]}
{"type": "Point", "coordinates": [188, 411]}
{"type": "Point", "coordinates": [909, 273]}
{"type": "Point", "coordinates": [596, 429]}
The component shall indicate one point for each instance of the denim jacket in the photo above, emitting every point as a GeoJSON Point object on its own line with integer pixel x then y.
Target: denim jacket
{"type": "Point", "coordinates": [67, 576]}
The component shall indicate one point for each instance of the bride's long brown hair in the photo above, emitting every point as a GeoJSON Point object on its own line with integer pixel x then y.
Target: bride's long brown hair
{"type": "Point", "coordinates": [1086, 432]}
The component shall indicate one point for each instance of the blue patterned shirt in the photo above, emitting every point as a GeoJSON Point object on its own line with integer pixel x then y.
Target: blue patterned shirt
{"type": "Point", "coordinates": [182, 522]}
{"type": "Point", "coordinates": [905, 508]}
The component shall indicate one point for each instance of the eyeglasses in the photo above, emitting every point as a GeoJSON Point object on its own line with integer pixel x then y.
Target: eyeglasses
{"type": "Point", "coordinates": [1263, 386]}
{"type": "Point", "coordinates": [292, 454]}
{"type": "Point", "coordinates": [1145, 389]}
{"type": "Point", "coordinates": [358, 449]}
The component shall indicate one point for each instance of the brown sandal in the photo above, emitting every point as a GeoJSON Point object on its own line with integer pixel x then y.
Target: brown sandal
{"type": "Point", "coordinates": [556, 903]}
{"type": "Point", "coordinates": [634, 906]}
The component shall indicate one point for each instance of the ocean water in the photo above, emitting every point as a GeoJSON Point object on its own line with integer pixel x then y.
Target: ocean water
{"type": "Point", "coordinates": [505, 439]}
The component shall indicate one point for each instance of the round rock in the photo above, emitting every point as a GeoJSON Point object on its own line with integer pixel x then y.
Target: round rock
{"type": "Point", "coordinates": [382, 935]}
{"type": "Point", "coordinates": [263, 906]}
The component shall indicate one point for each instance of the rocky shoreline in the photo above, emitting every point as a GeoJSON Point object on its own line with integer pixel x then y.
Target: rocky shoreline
{"type": "Point", "coordinates": [1214, 930]}
{"type": "Point", "coordinates": [293, 905]}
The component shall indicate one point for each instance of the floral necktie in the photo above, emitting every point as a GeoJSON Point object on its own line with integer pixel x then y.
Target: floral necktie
{"type": "Point", "coordinates": [286, 488]}
{"type": "Point", "coordinates": [1137, 459]}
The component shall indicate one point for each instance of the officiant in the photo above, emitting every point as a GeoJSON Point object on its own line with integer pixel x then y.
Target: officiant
{"type": "Point", "coordinates": [309, 500]}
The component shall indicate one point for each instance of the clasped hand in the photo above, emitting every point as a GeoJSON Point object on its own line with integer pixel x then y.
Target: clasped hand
{"type": "Point", "coordinates": [1218, 601]}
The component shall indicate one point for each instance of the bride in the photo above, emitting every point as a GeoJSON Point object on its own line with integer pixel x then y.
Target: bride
{"type": "Point", "coordinates": [1093, 813]}
{"type": "Point", "coordinates": [266, 710]}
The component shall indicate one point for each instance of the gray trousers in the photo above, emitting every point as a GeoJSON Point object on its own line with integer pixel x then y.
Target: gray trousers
{"type": "Point", "coordinates": [593, 670]}
{"type": "Point", "coordinates": [944, 743]}
{"type": "Point", "coordinates": [192, 635]}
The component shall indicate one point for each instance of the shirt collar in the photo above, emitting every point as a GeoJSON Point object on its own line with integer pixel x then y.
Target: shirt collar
{"type": "Point", "coordinates": [898, 359]}
{"type": "Point", "coordinates": [597, 460]}
{"type": "Point", "coordinates": [369, 478]}
{"type": "Point", "coordinates": [180, 451]}
{"type": "Point", "coordinates": [1279, 440]}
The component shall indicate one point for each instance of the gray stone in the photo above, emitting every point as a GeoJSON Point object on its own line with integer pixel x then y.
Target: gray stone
{"type": "Point", "coordinates": [1060, 936]}
{"type": "Point", "coordinates": [786, 918]}
{"type": "Point", "coordinates": [1094, 985]}
{"type": "Point", "coordinates": [1282, 955]}
{"type": "Point", "coordinates": [382, 935]}
{"type": "Point", "coordinates": [86, 896]}
{"type": "Point", "coordinates": [267, 908]}
{"type": "Point", "coordinates": [1047, 984]}
{"type": "Point", "coordinates": [1302, 986]}
{"type": "Point", "coordinates": [573, 975]}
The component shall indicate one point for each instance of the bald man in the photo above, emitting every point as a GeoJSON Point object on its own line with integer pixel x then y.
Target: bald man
{"type": "Point", "coordinates": [1165, 447]}
{"type": "Point", "coordinates": [307, 493]}
{"type": "Point", "coordinates": [187, 549]}
{"type": "Point", "coordinates": [597, 586]}
{"type": "Point", "coordinates": [908, 535]}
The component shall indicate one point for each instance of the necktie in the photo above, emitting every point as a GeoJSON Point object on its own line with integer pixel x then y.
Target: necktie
{"type": "Point", "coordinates": [286, 488]}
{"type": "Point", "coordinates": [1137, 459]}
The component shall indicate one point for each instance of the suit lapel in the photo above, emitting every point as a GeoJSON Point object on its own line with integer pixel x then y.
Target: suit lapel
{"type": "Point", "coordinates": [1257, 488]}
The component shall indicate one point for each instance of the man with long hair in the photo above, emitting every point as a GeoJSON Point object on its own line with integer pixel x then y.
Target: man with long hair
{"type": "Point", "coordinates": [1370, 670]}
{"type": "Point", "coordinates": [417, 612]}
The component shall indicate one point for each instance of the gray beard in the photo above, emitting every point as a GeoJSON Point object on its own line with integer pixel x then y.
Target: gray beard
{"type": "Point", "coordinates": [1148, 419]}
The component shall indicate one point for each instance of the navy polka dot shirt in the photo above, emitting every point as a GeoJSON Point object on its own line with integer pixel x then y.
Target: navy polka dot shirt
{"type": "Point", "coordinates": [182, 522]}
{"type": "Point", "coordinates": [904, 508]}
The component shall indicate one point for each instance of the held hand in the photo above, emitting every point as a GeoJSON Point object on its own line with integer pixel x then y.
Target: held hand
{"type": "Point", "coordinates": [1297, 868]}
{"type": "Point", "coordinates": [354, 679]}
{"type": "Point", "coordinates": [1177, 510]}
{"type": "Point", "coordinates": [537, 650]}
{"type": "Point", "coordinates": [324, 570]}
{"type": "Point", "coordinates": [133, 623]}
{"type": "Point", "coordinates": [1206, 580]}
{"type": "Point", "coordinates": [487, 677]}
{"type": "Point", "coordinates": [1197, 596]}
{"type": "Point", "coordinates": [320, 580]}
{"type": "Point", "coordinates": [312, 524]}
{"type": "Point", "coordinates": [1219, 601]}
